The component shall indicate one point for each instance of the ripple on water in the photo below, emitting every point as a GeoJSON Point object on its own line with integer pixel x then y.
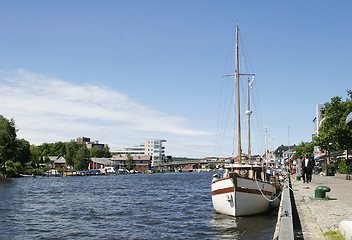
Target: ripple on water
{"type": "Point", "coordinates": [142, 206]}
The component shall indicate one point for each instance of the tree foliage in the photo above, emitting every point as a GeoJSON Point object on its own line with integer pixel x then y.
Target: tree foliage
{"type": "Point", "coordinates": [81, 158]}
{"type": "Point", "coordinates": [345, 167]}
{"type": "Point", "coordinates": [304, 148]}
{"type": "Point", "coordinates": [35, 153]}
{"type": "Point", "coordinates": [7, 140]}
{"type": "Point", "coordinates": [130, 162]}
{"type": "Point", "coordinates": [334, 128]}
{"type": "Point", "coordinates": [13, 168]}
{"type": "Point", "coordinates": [53, 149]}
{"type": "Point", "coordinates": [100, 152]}
{"type": "Point", "coordinates": [22, 151]}
{"type": "Point", "coordinates": [71, 149]}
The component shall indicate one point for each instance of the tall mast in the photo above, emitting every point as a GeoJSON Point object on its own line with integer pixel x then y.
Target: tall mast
{"type": "Point", "coordinates": [237, 92]}
{"type": "Point", "coordinates": [238, 100]}
{"type": "Point", "coordinates": [249, 112]}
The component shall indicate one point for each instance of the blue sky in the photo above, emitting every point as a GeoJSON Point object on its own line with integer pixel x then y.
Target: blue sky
{"type": "Point", "coordinates": [123, 71]}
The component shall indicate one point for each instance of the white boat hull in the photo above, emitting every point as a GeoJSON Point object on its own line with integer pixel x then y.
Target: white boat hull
{"type": "Point", "coordinates": [237, 196]}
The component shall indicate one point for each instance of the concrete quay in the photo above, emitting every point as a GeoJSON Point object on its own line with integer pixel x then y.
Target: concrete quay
{"type": "Point", "coordinates": [317, 217]}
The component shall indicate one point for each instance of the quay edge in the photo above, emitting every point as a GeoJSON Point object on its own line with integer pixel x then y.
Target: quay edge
{"type": "Point", "coordinates": [284, 226]}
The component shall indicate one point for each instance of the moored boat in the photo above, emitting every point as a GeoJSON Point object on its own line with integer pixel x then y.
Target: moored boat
{"type": "Point", "coordinates": [244, 189]}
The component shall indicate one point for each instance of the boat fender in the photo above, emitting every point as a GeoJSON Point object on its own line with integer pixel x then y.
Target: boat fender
{"type": "Point", "coordinates": [216, 176]}
{"type": "Point", "coordinates": [243, 172]}
{"type": "Point", "coordinates": [229, 198]}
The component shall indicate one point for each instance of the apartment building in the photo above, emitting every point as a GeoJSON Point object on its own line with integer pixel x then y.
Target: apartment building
{"type": "Point", "coordinates": [150, 147]}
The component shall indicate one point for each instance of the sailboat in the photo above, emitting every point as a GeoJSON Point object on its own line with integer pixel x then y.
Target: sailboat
{"type": "Point", "coordinates": [244, 189]}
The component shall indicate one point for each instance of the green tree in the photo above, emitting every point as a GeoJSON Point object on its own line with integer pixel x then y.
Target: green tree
{"type": "Point", "coordinates": [57, 149]}
{"type": "Point", "coordinates": [71, 148]}
{"type": "Point", "coordinates": [345, 167]}
{"type": "Point", "coordinates": [97, 152]}
{"type": "Point", "coordinates": [304, 148]}
{"type": "Point", "coordinates": [7, 141]}
{"type": "Point", "coordinates": [45, 149]}
{"type": "Point", "coordinates": [82, 158]}
{"type": "Point", "coordinates": [130, 162]}
{"type": "Point", "coordinates": [107, 152]}
{"type": "Point", "coordinates": [23, 152]}
{"type": "Point", "coordinates": [13, 168]}
{"type": "Point", "coordinates": [35, 153]}
{"type": "Point", "coordinates": [100, 152]}
{"type": "Point", "coordinates": [334, 128]}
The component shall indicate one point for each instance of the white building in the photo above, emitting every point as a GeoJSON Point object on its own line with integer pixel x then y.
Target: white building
{"type": "Point", "coordinates": [318, 119]}
{"type": "Point", "coordinates": [151, 147]}
{"type": "Point", "coordinates": [317, 123]}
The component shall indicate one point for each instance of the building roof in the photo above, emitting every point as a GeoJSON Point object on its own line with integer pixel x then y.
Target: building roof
{"type": "Point", "coordinates": [104, 161]}
{"type": "Point", "coordinates": [282, 149]}
{"type": "Point", "coordinates": [60, 160]}
{"type": "Point", "coordinates": [53, 158]}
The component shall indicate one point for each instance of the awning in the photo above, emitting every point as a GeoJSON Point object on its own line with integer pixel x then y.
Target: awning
{"type": "Point", "coordinates": [349, 118]}
{"type": "Point", "coordinates": [320, 157]}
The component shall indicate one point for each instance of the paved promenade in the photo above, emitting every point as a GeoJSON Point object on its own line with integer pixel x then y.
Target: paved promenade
{"type": "Point", "coordinates": [320, 216]}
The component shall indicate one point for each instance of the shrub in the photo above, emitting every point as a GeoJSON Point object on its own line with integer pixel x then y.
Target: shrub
{"type": "Point", "coordinates": [345, 166]}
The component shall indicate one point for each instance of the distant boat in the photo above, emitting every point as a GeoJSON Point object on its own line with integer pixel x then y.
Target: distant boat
{"type": "Point", "coordinates": [71, 174]}
{"type": "Point", "coordinates": [122, 171]}
{"type": "Point", "coordinates": [27, 175]}
{"type": "Point", "coordinates": [109, 171]}
{"type": "Point", "coordinates": [52, 173]}
{"type": "Point", "coordinates": [244, 189]}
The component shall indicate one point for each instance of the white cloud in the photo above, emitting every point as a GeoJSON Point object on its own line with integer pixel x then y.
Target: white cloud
{"type": "Point", "coordinates": [48, 110]}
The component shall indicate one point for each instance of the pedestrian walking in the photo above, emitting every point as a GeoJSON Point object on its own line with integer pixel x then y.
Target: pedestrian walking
{"type": "Point", "coordinates": [307, 168]}
{"type": "Point", "coordinates": [310, 167]}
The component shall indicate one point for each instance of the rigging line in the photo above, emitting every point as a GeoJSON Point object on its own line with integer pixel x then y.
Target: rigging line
{"type": "Point", "coordinates": [245, 52]}
{"type": "Point", "coordinates": [228, 116]}
{"type": "Point", "coordinates": [230, 55]}
{"type": "Point", "coordinates": [221, 117]}
{"type": "Point", "coordinates": [219, 113]}
{"type": "Point", "coordinates": [223, 99]}
{"type": "Point", "coordinates": [226, 123]}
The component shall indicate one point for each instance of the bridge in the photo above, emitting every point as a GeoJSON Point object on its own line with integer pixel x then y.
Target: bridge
{"type": "Point", "coordinates": [184, 163]}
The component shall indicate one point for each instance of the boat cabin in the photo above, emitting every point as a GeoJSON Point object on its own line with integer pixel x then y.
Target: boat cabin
{"type": "Point", "coordinates": [250, 171]}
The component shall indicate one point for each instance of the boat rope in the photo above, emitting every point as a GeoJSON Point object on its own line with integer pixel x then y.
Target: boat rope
{"type": "Point", "coordinates": [270, 200]}
{"type": "Point", "coordinates": [300, 194]}
{"type": "Point", "coordinates": [295, 192]}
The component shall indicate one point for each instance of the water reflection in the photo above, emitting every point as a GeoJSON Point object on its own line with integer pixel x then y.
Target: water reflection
{"type": "Point", "coordinates": [250, 227]}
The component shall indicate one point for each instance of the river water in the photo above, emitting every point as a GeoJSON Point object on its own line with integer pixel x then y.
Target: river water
{"type": "Point", "coordinates": [140, 206]}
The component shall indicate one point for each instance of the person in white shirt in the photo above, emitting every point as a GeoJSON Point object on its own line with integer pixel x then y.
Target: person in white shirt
{"type": "Point", "coordinates": [307, 167]}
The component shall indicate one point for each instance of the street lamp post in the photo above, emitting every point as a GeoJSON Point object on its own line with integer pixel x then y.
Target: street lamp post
{"type": "Point", "coordinates": [326, 164]}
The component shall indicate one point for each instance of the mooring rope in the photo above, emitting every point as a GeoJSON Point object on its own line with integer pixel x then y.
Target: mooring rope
{"type": "Point", "coordinates": [270, 200]}
{"type": "Point", "coordinates": [301, 194]}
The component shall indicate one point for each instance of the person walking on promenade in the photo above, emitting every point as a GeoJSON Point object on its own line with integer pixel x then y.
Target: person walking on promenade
{"type": "Point", "coordinates": [307, 168]}
{"type": "Point", "coordinates": [310, 166]}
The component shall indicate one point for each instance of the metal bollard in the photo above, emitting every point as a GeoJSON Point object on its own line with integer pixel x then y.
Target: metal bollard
{"type": "Point", "coordinates": [320, 192]}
